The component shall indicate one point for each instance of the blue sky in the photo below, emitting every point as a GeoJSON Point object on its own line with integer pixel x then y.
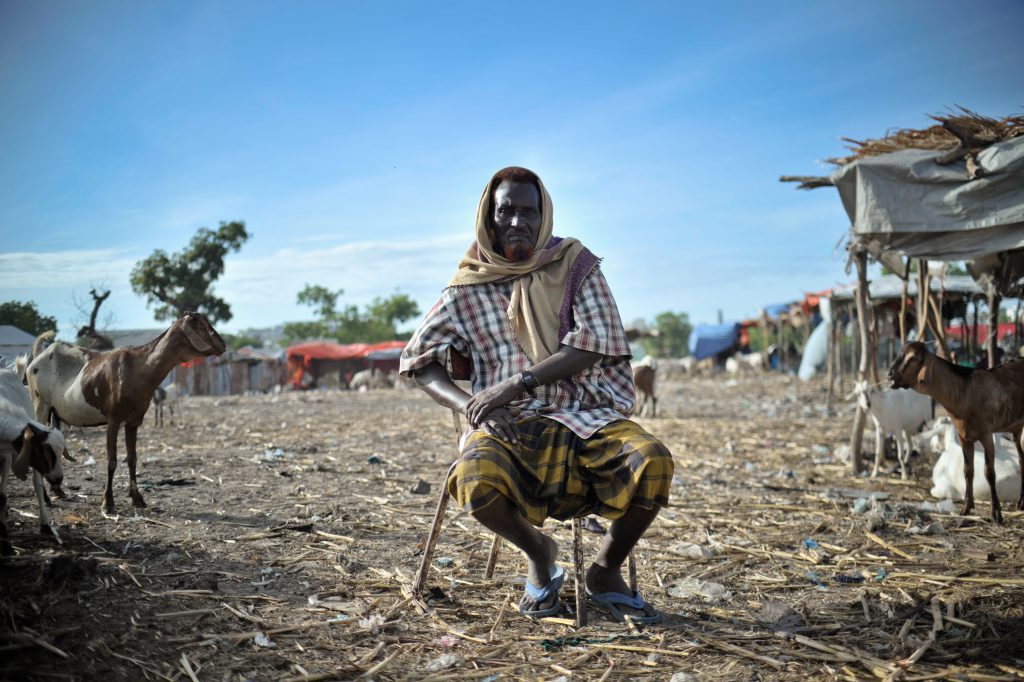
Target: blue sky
{"type": "Point", "coordinates": [354, 138]}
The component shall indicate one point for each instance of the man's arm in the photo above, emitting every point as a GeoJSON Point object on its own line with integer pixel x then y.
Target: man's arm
{"type": "Point", "coordinates": [566, 362]}
{"type": "Point", "coordinates": [437, 383]}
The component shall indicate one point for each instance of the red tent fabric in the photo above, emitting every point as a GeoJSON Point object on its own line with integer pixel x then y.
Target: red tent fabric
{"type": "Point", "coordinates": [301, 356]}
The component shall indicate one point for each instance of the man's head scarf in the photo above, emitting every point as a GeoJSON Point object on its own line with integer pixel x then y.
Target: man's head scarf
{"type": "Point", "coordinates": [540, 286]}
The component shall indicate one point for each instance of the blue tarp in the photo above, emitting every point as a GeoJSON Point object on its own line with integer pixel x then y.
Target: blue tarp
{"type": "Point", "coordinates": [711, 339]}
{"type": "Point", "coordinates": [776, 309]}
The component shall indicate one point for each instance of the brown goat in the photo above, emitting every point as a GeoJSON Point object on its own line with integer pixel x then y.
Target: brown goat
{"type": "Point", "coordinates": [91, 388]}
{"type": "Point", "coordinates": [644, 376]}
{"type": "Point", "coordinates": [981, 402]}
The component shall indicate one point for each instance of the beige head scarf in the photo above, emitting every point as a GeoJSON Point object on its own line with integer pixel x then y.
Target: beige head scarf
{"type": "Point", "coordinates": [539, 289]}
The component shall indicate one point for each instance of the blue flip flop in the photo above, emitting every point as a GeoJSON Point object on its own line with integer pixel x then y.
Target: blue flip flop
{"type": "Point", "coordinates": [539, 595]}
{"type": "Point", "coordinates": [610, 601]}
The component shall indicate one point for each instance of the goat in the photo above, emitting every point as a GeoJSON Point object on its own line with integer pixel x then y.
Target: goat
{"type": "Point", "coordinates": [948, 473]}
{"type": "Point", "coordinates": [981, 403]}
{"type": "Point", "coordinates": [644, 374]}
{"type": "Point", "coordinates": [165, 397]}
{"type": "Point", "coordinates": [25, 444]}
{"type": "Point", "coordinates": [114, 388]}
{"type": "Point", "coordinates": [370, 378]}
{"type": "Point", "coordinates": [744, 362]}
{"type": "Point", "coordinates": [901, 414]}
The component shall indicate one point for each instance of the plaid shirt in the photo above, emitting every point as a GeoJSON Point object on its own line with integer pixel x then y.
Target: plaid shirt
{"type": "Point", "coordinates": [472, 320]}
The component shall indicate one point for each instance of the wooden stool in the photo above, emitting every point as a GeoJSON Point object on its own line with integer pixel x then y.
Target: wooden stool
{"type": "Point", "coordinates": [577, 546]}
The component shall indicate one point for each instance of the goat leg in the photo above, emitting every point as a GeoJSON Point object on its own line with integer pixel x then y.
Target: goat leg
{"type": "Point", "coordinates": [44, 502]}
{"type": "Point", "coordinates": [879, 448]}
{"type": "Point", "coordinates": [5, 545]}
{"type": "Point", "coordinates": [990, 476]}
{"type": "Point", "coordinates": [1020, 463]}
{"type": "Point", "coordinates": [968, 448]}
{"type": "Point", "coordinates": [108, 491]}
{"type": "Point", "coordinates": [130, 434]}
{"type": "Point", "coordinates": [57, 491]}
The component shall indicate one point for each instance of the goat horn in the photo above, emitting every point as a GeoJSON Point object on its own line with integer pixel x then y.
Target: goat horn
{"type": "Point", "coordinates": [67, 455]}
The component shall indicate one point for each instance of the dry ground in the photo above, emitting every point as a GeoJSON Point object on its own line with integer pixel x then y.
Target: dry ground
{"type": "Point", "coordinates": [282, 533]}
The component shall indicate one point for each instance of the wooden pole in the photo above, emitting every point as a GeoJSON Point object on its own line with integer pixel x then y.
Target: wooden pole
{"type": "Point", "coordinates": [903, 304]}
{"type": "Point", "coordinates": [974, 333]}
{"type": "Point", "coordinates": [764, 340]}
{"type": "Point", "coordinates": [994, 300]}
{"type": "Point", "coordinates": [1017, 330]}
{"type": "Point", "coordinates": [857, 433]}
{"type": "Point", "coordinates": [829, 365]}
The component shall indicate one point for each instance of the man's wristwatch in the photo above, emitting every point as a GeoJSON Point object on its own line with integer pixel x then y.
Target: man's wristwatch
{"type": "Point", "coordinates": [528, 381]}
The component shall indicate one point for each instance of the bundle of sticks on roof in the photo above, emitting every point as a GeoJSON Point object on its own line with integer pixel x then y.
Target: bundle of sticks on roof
{"type": "Point", "coordinates": [960, 135]}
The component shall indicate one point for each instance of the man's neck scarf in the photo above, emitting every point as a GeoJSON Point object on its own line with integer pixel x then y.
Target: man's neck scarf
{"type": "Point", "coordinates": [540, 306]}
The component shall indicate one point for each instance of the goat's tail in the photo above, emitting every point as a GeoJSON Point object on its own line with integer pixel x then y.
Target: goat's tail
{"type": "Point", "coordinates": [37, 347]}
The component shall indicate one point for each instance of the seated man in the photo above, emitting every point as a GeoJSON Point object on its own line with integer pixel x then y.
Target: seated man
{"type": "Point", "coordinates": [552, 393]}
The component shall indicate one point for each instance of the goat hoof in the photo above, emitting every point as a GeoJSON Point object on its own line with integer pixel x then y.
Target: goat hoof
{"type": "Point", "coordinates": [1020, 503]}
{"type": "Point", "coordinates": [107, 507]}
{"type": "Point", "coordinates": [58, 492]}
{"type": "Point", "coordinates": [137, 501]}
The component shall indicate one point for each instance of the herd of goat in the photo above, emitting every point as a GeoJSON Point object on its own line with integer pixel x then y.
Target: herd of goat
{"type": "Point", "coordinates": [67, 384]}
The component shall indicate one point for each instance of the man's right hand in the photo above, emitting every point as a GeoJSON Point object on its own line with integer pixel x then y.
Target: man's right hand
{"type": "Point", "coordinates": [500, 423]}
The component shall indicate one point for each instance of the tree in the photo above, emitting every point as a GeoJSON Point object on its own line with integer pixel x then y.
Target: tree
{"type": "Point", "coordinates": [672, 337]}
{"type": "Point", "coordinates": [26, 317]}
{"type": "Point", "coordinates": [376, 322]}
{"type": "Point", "coordinates": [236, 341]}
{"type": "Point", "coordinates": [88, 336]}
{"type": "Point", "coordinates": [181, 283]}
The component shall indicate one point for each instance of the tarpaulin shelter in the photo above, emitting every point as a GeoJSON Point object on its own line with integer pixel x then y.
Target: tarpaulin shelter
{"type": "Point", "coordinates": [707, 340]}
{"type": "Point", "coordinates": [950, 192]}
{"type": "Point", "coordinates": [317, 358]}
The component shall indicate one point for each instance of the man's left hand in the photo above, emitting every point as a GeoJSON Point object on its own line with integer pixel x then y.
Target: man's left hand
{"type": "Point", "coordinates": [499, 395]}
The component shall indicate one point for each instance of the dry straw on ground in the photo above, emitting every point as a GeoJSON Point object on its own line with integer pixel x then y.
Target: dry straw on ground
{"type": "Point", "coordinates": [282, 536]}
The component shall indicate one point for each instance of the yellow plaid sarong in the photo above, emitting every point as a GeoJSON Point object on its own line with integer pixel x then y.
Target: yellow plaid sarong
{"type": "Point", "coordinates": [552, 472]}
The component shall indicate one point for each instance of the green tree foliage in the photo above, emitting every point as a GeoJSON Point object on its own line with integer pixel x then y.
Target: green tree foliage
{"type": "Point", "coordinates": [182, 282]}
{"type": "Point", "coordinates": [236, 341]}
{"type": "Point", "coordinates": [673, 334]}
{"type": "Point", "coordinates": [26, 317]}
{"type": "Point", "coordinates": [377, 321]}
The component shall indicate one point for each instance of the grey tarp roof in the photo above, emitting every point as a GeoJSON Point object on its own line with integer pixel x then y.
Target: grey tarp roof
{"type": "Point", "coordinates": [889, 287]}
{"type": "Point", "coordinates": [907, 203]}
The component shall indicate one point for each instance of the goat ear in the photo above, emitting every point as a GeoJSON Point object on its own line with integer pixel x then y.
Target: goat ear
{"type": "Point", "coordinates": [200, 342]}
{"type": "Point", "coordinates": [24, 444]}
{"type": "Point", "coordinates": [925, 375]}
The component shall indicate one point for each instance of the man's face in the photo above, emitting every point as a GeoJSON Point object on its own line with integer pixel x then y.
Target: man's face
{"type": "Point", "coordinates": [516, 219]}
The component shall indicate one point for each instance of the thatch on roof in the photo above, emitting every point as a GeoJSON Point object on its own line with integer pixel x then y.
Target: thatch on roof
{"type": "Point", "coordinates": [961, 134]}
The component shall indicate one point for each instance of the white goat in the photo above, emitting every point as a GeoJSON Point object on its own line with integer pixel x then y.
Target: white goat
{"type": "Point", "coordinates": [901, 413]}
{"type": "Point", "coordinates": [948, 474]}
{"type": "Point", "coordinates": [370, 378]}
{"type": "Point", "coordinates": [744, 362]}
{"type": "Point", "coordinates": [25, 444]}
{"type": "Point", "coordinates": [165, 397]}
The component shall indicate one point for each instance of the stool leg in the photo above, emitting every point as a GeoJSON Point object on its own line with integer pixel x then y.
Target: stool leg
{"type": "Point", "coordinates": [631, 561]}
{"type": "Point", "coordinates": [492, 557]}
{"type": "Point", "coordinates": [431, 540]}
{"type": "Point", "coordinates": [577, 561]}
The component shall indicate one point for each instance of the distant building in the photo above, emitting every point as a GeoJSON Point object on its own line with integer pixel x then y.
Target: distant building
{"type": "Point", "coordinates": [132, 337]}
{"type": "Point", "coordinates": [13, 342]}
{"type": "Point", "coordinates": [269, 336]}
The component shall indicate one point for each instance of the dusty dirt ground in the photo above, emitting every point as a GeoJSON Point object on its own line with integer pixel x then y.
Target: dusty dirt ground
{"type": "Point", "coordinates": [282, 534]}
